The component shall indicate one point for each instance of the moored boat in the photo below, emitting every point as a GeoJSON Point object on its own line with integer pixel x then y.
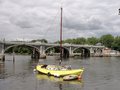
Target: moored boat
{"type": "Point", "coordinates": [58, 71]}
{"type": "Point", "coordinates": [70, 77]}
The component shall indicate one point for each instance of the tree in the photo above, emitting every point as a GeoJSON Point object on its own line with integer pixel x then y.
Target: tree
{"type": "Point", "coordinates": [116, 43]}
{"type": "Point", "coordinates": [68, 41]}
{"type": "Point", "coordinates": [40, 40]}
{"type": "Point", "coordinates": [80, 40]}
{"type": "Point", "coordinates": [92, 41]}
{"type": "Point", "coordinates": [44, 41]}
{"type": "Point", "coordinates": [107, 40]}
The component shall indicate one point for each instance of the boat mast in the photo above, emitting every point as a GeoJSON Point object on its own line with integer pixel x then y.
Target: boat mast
{"type": "Point", "coordinates": [61, 38]}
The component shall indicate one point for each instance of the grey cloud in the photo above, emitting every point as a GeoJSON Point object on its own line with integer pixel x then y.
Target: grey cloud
{"type": "Point", "coordinates": [92, 24]}
{"type": "Point", "coordinates": [27, 20]}
{"type": "Point", "coordinates": [24, 24]}
{"type": "Point", "coordinates": [80, 18]}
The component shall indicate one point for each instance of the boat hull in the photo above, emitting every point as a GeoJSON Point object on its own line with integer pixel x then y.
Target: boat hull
{"type": "Point", "coordinates": [58, 73]}
{"type": "Point", "coordinates": [70, 77]}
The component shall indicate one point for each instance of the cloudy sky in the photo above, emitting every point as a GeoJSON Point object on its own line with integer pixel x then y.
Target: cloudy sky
{"type": "Point", "coordinates": [37, 19]}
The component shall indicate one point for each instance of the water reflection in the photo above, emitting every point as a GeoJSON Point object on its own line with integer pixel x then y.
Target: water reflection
{"type": "Point", "coordinates": [2, 70]}
{"type": "Point", "coordinates": [60, 86]}
{"type": "Point", "coordinates": [20, 67]}
{"type": "Point", "coordinates": [55, 79]}
{"type": "Point", "coordinates": [58, 82]}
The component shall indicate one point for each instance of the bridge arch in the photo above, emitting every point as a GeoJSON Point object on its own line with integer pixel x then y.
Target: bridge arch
{"type": "Point", "coordinates": [56, 49]}
{"type": "Point", "coordinates": [35, 51]}
{"type": "Point", "coordinates": [84, 52]}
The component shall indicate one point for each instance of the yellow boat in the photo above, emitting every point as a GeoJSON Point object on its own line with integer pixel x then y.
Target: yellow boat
{"type": "Point", "coordinates": [58, 71]}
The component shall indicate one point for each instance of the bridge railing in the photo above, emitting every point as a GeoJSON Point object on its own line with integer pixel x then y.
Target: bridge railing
{"type": "Point", "coordinates": [49, 44]}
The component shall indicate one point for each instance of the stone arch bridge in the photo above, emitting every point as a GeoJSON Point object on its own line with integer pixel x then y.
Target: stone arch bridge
{"type": "Point", "coordinates": [40, 49]}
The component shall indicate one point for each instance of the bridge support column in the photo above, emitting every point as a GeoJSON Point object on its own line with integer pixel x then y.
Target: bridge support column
{"type": "Point", "coordinates": [42, 52]}
{"type": "Point", "coordinates": [35, 55]}
{"type": "Point", "coordinates": [83, 53]}
{"type": "Point", "coordinates": [71, 52]}
{"type": "Point", "coordinates": [2, 55]}
{"type": "Point", "coordinates": [92, 52]}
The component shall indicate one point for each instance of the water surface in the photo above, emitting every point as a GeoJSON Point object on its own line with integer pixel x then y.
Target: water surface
{"type": "Point", "coordinates": [101, 73]}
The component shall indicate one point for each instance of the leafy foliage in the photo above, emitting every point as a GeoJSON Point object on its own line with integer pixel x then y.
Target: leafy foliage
{"type": "Point", "coordinates": [107, 40]}
{"type": "Point", "coordinates": [116, 43]}
{"type": "Point", "coordinates": [40, 40]}
{"type": "Point", "coordinates": [92, 41]}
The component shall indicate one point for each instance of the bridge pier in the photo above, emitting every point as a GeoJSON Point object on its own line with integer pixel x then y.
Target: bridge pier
{"type": "Point", "coordinates": [2, 57]}
{"type": "Point", "coordinates": [35, 55]}
{"type": "Point", "coordinates": [42, 52]}
{"type": "Point", "coordinates": [42, 56]}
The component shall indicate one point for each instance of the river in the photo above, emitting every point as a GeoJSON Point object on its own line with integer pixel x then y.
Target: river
{"type": "Point", "coordinates": [101, 73]}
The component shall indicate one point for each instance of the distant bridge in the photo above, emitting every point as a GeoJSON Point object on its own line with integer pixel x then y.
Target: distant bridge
{"type": "Point", "coordinates": [40, 49]}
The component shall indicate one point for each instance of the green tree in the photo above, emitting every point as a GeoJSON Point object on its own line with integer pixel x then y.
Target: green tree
{"type": "Point", "coordinates": [80, 40]}
{"type": "Point", "coordinates": [40, 40]}
{"type": "Point", "coordinates": [44, 41]}
{"type": "Point", "coordinates": [116, 43]}
{"type": "Point", "coordinates": [68, 41]}
{"type": "Point", "coordinates": [92, 40]}
{"type": "Point", "coordinates": [107, 40]}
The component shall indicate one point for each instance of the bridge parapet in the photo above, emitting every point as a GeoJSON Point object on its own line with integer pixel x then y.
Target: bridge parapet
{"type": "Point", "coordinates": [49, 44]}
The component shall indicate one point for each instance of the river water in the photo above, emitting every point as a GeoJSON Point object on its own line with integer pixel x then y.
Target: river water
{"type": "Point", "coordinates": [101, 73]}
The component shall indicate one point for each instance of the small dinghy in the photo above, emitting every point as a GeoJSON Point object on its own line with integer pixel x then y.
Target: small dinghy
{"type": "Point", "coordinates": [70, 77]}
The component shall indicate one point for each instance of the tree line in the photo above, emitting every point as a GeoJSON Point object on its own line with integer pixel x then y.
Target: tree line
{"type": "Point", "coordinates": [107, 40]}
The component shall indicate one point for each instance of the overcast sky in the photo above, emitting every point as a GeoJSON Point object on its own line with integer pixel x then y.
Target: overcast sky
{"type": "Point", "coordinates": [37, 19]}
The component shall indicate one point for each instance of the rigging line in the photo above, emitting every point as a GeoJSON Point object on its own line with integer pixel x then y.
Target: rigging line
{"type": "Point", "coordinates": [60, 5]}
{"type": "Point", "coordinates": [49, 27]}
